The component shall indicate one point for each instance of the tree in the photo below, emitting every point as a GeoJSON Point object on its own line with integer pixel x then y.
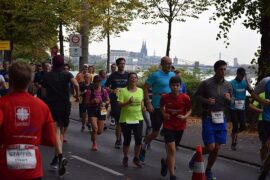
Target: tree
{"type": "Point", "coordinates": [34, 24]}
{"type": "Point", "coordinates": [172, 10]}
{"type": "Point", "coordinates": [255, 15]}
{"type": "Point", "coordinates": [116, 17]}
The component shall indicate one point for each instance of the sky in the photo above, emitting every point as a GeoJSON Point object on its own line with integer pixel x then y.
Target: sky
{"type": "Point", "coordinates": [193, 40]}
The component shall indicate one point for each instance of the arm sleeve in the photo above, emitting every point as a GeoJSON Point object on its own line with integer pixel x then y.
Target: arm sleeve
{"type": "Point", "coordinates": [48, 137]}
{"type": "Point", "coordinates": [261, 85]}
{"type": "Point", "coordinates": [108, 82]}
{"type": "Point", "coordinates": [150, 80]}
{"type": "Point", "coordinates": [187, 102]}
{"type": "Point", "coordinates": [200, 93]}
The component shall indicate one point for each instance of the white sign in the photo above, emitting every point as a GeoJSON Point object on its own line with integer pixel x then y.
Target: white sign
{"type": "Point", "coordinates": [75, 40]}
{"type": "Point", "coordinates": [75, 51]}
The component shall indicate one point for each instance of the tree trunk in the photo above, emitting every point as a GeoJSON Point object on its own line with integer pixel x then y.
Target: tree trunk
{"type": "Point", "coordinates": [264, 58]}
{"type": "Point", "coordinates": [108, 51]}
{"type": "Point", "coordinates": [84, 33]}
{"type": "Point", "coordinates": [61, 39]}
{"type": "Point", "coordinates": [169, 38]}
{"type": "Point", "coordinates": [8, 56]}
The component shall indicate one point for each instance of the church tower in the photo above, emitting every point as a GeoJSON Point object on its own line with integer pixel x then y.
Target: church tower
{"type": "Point", "coordinates": [144, 49]}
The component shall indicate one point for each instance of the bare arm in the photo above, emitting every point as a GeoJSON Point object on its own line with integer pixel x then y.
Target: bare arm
{"type": "Point", "coordinates": [147, 99]}
{"type": "Point", "coordinates": [76, 88]}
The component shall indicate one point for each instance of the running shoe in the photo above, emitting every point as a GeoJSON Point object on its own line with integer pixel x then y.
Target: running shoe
{"type": "Point", "coordinates": [112, 122]}
{"type": "Point", "coordinates": [192, 161]}
{"type": "Point", "coordinates": [233, 146]}
{"type": "Point", "coordinates": [163, 170]}
{"type": "Point", "coordinates": [88, 126]}
{"type": "Point", "coordinates": [142, 155]}
{"type": "Point", "coordinates": [94, 147]}
{"type": "Point", "coordinates": [137, 163]}
{"type": "Point", "coordinates": [209, 175]}
{"type": "Point", "coordinates": [148, 147]}
{"type": "Point", "coordinates": [172, 177]}
{"type": "Point", "coordinates": [62, 166]}
{"type": "Point", "coordinates": [262, 176]}
{"type": "Point", "coordinates": [54, 163]}
{"type": "Point", "coordinates": [117, 144]}
{"type": "Point", "coordinates": [82, 129]}
{"type": "Point", "coordinates": [125, 162]}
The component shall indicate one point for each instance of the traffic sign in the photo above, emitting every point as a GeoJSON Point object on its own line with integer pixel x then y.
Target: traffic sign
{"type": "Point", "coordinates": [75, 51]}
{"type": "Point", "coordinates": [75, 40]}
{"type": "Point", "coordinates": [5, 45]}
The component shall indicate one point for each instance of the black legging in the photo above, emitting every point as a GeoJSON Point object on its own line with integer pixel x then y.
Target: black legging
{"type": "Point", "coordinates": [137, 131]}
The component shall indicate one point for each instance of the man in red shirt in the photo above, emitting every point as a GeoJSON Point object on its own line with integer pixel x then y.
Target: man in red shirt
{"type": "Point", "coordinates": [175, 108]}
{"type": "Point", "coordinates": [25, 123]}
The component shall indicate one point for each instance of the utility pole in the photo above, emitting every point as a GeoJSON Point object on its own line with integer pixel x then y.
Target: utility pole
{"type": "Point", "coordinates": [84, 29]}
{"type": "Point", "coordinates": [219, 56]}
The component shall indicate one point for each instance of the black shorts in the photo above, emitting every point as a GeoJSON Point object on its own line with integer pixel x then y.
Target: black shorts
{"type": "Point", "coordinates": [115, 111]}
{"type": "Point", "coordinates": [156, 119]}
{"type": "Point", "coordinates": [95, 112]}
{"type": "Point", "coordinates": [60, 113]}
{"type": "Point", "coordinates": [172, 136]}
{"type": "Point", "coordinates": [264, 130]}
{"type": "Point", "coordinates": [238, 118]}
{"type": "Point", "coordinates": [82, 108]}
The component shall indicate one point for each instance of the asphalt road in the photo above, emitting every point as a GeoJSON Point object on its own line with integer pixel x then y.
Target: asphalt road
{"type": "Point", "coordinates": [105, 164]}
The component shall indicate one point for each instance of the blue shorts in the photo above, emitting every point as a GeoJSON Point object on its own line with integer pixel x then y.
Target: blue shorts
{"type": "Point", "coordinates": [213, 133]}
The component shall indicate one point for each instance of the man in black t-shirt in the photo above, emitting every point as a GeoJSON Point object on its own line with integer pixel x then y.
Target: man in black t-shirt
{"type": "Point", "coordinates": [115, 81]}
{"type": "Point", "coordinates": [56, 90]}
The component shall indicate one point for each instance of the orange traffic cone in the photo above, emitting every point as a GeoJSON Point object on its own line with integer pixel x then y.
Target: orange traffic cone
{"type": "Point", "coordinates": [198, 170]}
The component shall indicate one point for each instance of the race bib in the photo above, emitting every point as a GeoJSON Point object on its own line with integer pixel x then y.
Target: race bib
{"type": "Point", "coordinates": [21, 158]}
{"type": "Point", "coordinates": [103, 111]}
{"type": "Point", "coordinates": [217, 117]}
{"type": "Point", "coordinates": [133, 122]}
{"type": "Point", "coordinates": [239, 104]}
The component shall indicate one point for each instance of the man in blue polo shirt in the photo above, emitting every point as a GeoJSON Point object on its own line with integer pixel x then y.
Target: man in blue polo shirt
{"type": "Point", "coordinates": [159, 82]}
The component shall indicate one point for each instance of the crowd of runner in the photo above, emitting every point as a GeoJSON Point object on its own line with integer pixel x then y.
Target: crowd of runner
{"type": "Point", "coordinates": [35, 106]}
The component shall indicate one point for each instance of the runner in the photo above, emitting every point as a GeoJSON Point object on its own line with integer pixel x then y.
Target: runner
{"type": "Point", "coordinates": [131, 102]}
{"type": "Point", "coordinates": [23, 130]}
{"type": "Point", "coordinates": [264, 133]}
{"type": "Point", "coordinates": [115, 81]}
{"type": "Point", "coordinates": [97, 99]}
{"type": "Point", "coordinates": [56, 91]}
{"type": "Point", "coordinates": [237, 109]}
{"type": "Point", "coordinates": [159, 82]}
{"type": "Point", "coordinates": [38, 79]}
{"type": "Point", "coordinates": [264, 86]}
{"type": "Point", "coordinates": [175, 108]}
{"type": "Point", "coordinates": [215, 94]}
{"type": "Point", "coordinates": [4, 73]}
{"type": "Point", "coordinates": [86, 85]}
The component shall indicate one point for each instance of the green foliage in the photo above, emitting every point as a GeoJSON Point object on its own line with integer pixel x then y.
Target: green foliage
{"type": "Point", "coordinates": [157, 11]}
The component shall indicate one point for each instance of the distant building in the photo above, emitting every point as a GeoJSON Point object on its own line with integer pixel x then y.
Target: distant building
{"type": "Point", "coordinates": [144, 49]}
{"type": "Point", "coordinates": [235, 62]}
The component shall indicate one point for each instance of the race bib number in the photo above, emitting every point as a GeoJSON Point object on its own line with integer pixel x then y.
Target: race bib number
{"type": "Point", "coordinates": [103, 111]}
{"type": "Point", "coordinates": [217, 117]}
{"type": "Point", "coordinates": [239, 104]}
{"type": "Point", "coordinates": [21, 158]}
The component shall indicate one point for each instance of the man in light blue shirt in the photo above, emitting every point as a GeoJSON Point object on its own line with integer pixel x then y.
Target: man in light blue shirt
{"type": "Point", "coordinates": [159, 82]}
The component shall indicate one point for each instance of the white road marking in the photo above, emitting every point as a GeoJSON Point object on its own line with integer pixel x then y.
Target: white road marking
{"type": "Point", "coordinates": [97, 165]}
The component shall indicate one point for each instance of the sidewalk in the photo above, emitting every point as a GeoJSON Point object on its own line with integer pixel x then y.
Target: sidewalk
{"type": "Point", "coordinates": [247, 148]}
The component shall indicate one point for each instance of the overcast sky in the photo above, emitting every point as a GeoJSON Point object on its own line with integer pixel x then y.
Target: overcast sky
{"type": "Point", "coordinates": [194, 40]}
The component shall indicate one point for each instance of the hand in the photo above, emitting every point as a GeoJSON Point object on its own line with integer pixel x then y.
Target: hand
{"type": "Point", "coordinates": [266, 102]}
{"type": "Point", "coordinates": [227, 96]}
{"type": "Point", "coordinates": [211, 101]}
{"type": "Point", "coordinates": [115, 91]}
{"type": "Point", "coordinates": [166, 116]}
{"type": "Point", "coordinates": [181, 117]}
{"type": "Point", "coordinates": [131, 100]}
{"type": "Point", "coordinates": [96, 100]}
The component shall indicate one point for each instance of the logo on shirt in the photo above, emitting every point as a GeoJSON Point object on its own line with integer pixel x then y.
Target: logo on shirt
{"type": "Point", "coordinates": [22, 116]}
